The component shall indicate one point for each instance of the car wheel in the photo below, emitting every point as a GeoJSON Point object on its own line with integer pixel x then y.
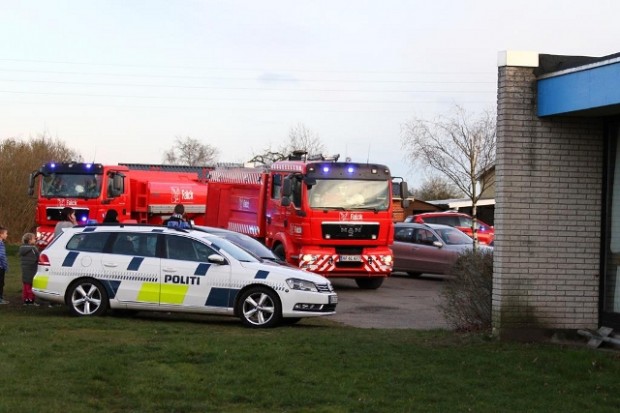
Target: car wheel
{"type": "Point", "coordinates": [369, 283]}
{"type": "Point", "coordinates": [279, 252]}
{"type": "Point", "coordinates": [259, 307]}
{"type": "Point", "coordinates": [414, 274]}
{"type": "Point", "coordinates": [88, 298]}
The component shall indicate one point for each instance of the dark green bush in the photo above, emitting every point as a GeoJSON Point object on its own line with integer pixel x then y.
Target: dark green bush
{"type": "Point", "coordinates": [467, 296]}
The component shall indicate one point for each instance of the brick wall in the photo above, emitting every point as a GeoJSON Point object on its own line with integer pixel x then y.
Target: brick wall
{"type": "Point", "coordinates": [548, 213]}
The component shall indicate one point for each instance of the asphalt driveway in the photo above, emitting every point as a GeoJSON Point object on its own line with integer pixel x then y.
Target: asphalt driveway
{"type": "Point", "coordinates": [401, 302]}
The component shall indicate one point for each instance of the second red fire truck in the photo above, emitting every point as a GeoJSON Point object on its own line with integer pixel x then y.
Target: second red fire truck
{"type": "Point", "coordinates": [139, 193]}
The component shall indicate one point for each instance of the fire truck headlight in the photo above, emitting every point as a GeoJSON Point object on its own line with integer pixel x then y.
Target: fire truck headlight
{"type": "Point", "coordinates": [386, 259]}
{"type": "Point", "coordinates": [308, 257]}
{"type": "Point", "coordinates": [302, 285]}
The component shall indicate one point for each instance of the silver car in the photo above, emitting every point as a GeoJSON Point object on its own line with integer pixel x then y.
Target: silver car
{"type": "Point", "coordinates": [429, 248]}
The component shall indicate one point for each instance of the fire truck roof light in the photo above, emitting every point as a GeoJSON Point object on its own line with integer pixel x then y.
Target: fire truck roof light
{"type": "Point", "coordinates": [326, 169]}
{"type": "Point", "coordinates": [350, 169]}
{"type": "Point", "coordinates": [52, 165]}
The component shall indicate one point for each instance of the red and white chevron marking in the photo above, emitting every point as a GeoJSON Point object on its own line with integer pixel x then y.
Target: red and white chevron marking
{"type": "Point", "coordinates": [327, 263]}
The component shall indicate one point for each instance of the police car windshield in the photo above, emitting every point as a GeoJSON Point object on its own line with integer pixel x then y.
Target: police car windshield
{"type": "Point", "coordinates": [233, 250]}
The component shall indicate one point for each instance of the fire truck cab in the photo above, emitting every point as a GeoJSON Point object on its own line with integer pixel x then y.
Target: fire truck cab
{"type": "Point", "coordinates": [331, 218]}
{"type": "Point", "coordinates": [139, 193]}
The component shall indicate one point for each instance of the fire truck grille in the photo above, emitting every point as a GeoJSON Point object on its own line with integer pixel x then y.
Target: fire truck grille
{"type": "Point", "coordinates": [346, 230]}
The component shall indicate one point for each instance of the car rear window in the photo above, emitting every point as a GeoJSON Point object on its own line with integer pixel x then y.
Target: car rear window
{"type": "Point", "coordinates": [446, 220]}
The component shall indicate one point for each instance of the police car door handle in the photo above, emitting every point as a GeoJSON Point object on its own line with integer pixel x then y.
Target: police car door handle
{"type": "Point", "coordinates": [170, 269]}
{"type": "Point", "coordinates": [110, 264]}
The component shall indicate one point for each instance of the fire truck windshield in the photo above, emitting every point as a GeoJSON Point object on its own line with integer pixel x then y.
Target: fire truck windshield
{"type": "Point", "coordinates": [349, 194]}
{"type": "Point", "coordinates": [71, 185]}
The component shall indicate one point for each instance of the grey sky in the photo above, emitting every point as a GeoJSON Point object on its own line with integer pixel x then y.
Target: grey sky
{"type": "Point", "coordinates": [119, 80]}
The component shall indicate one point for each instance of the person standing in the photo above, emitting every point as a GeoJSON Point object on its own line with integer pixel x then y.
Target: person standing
{"type": "Point", "coordinates": [178, 217]}
{"type": "Point", "coordinates": [67, 220]}
{"type": "Point", "coordinates": [29, 258]}
{"type": "Point", "coordinates": [4, 263]}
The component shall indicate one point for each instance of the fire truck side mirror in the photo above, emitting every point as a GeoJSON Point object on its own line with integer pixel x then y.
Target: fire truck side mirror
{"type": "Point", "coordinates": [115, 188]}
{"type": "Point", "coordinates": [31, 185]}
{"type": "Point", "coordinates": [286, 201]}
{"type": "Point", "coordinates": [287, 188]}
{"type": "Point", "coordinates": [404, 193]}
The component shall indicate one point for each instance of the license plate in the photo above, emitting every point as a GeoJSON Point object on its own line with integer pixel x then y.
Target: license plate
{"type": "Point", "coordinates": [351, 258]}
{"type": "Point", "coordinates": [333, 299]}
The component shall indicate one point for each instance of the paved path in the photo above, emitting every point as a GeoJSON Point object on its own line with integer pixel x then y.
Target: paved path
{"type": "Point", "coordinates": [401, 302]}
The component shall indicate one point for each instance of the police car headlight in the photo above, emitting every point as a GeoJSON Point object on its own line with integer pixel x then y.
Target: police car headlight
{"type": "Point", "coordinates": [302, 285]}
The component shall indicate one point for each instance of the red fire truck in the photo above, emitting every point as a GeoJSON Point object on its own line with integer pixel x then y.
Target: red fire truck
{"type": "Point", "coordinates": [331, 218]}
{"type": "Point", "coordinates": [139, 193]}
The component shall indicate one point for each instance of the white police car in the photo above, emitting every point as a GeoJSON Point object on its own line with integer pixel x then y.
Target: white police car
{"type": "Point", "coordinates": [137, 267]}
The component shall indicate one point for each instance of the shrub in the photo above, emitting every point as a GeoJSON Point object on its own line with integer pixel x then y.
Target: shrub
{"type": "Point", "coordinates": [467, 296]}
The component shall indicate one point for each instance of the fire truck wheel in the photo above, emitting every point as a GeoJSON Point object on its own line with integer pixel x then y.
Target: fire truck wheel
{"type": "Point", "coordinates": [259, 307]}
{"type": "Point", "coordinates": [87, 297]}
{"type": "Point", "coordinates": [279, 252]}
{"type": "Point", "coordinates": [369, 283]}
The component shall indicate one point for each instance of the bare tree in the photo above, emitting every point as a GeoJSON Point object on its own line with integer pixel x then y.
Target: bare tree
{"type": "Point", "coordinates": [460, 147]}
{"type": "Point", "coordinates": [302, 138]}
{"type": "Point", "coordinates": [267, 157]}
{"type": "Point", "coordinates": [189, 151]}
{"type": "Point", "coordinates": [436, 187]}
{"type": "Point", "coordinates": [17, 160]}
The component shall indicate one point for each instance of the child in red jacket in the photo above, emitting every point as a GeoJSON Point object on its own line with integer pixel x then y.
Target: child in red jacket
{"type": "Point", "coordinates": [29, 258]}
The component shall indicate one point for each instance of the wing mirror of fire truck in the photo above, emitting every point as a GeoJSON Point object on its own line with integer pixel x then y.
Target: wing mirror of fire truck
{"type": "Point", "coordinates": [31, 184]}
{"type": "Point", "coordinates": [310, 182]}
{"type": "Point", "coordinates": [118, 183]}
{"type": "Point", "coordinates": [404, 194]}
{"type": "Point", "coordinates": [287, 190]}
{"type": "Point", "coordinates": [287, 187]}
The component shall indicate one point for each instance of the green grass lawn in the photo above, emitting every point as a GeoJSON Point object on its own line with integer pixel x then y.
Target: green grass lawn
{"type": "Point", "coordinates": [53, 362]}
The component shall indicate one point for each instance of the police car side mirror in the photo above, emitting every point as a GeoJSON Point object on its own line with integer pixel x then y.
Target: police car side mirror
{"type": "Point", "coordinates": [216, 259]}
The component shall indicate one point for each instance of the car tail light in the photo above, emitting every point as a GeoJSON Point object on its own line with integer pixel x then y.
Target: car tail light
{"type": "Point", "coordinates": [44, 260]}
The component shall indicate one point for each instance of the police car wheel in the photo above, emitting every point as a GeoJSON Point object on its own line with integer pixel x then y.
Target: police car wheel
{"type": "Point", "coordinates": [87, 298]}
{"type": "Point", "coordinates": [259, 307]}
